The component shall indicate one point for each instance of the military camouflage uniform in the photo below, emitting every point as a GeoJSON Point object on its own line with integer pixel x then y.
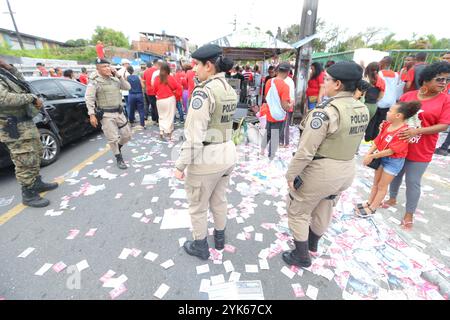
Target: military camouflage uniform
{"type": "Point", "coordinates": [26, 151]}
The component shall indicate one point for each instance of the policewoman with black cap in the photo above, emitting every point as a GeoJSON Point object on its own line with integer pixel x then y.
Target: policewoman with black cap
{"type": "Point", "coordinates": [324, 166]}
{"type": "Point", "coordinates": [208, 155]}
{"type": "Point", "coordinates": [104, 104]}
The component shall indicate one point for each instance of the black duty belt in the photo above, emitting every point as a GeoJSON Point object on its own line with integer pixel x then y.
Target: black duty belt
{"type": "Point", "coordinates": [18, 119]}
{"type": "Point", "coordinates": [111, 110]}
{"type": "Point", "coordinates": [210, 143]}
{"type": "Point", "coordinates": [318, 158]}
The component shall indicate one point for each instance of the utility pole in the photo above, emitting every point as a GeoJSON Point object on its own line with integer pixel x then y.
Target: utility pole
{"type": "Point", "coordinates": [304, 54]}
{"type": "Point", "coordinates": [15, 25]}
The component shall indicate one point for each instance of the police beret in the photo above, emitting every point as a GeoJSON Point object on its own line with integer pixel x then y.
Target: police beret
{"type": "Point", "coordinates": [101, 61]}
{"type": "Point", "coordinates": [346, 71]}
{"type": "Point", "coordinates": [206, 52]}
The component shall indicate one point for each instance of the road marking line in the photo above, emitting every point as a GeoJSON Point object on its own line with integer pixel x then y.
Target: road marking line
{"type": "Point", "coordinates": [20, 207]}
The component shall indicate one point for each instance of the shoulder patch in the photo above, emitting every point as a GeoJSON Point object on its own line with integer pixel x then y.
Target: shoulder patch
{"type": "Point", "coordinates": [321, 115]}
{"type": "Point", "coordinates": [201, 94]}
{"type": "Point", "coordinates": [197, 103]}
{"type": "Point", "coordinates": [316, 123]}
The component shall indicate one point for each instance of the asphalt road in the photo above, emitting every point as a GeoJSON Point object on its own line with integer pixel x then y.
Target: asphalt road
{"type": "Point", "coordinates": [116, 229]}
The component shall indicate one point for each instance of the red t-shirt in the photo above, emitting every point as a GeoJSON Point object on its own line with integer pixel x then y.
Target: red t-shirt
{"type": "Point", "coordinates": [434, 111]}
{"type": "Point", "coordinates": [283, 92]}
{"type": "Point", "coordinates": [147, 76]}
{"type": "Point", "coordinates": [180, 76]}
{"type": "Point", "coordinates": [83, 78]}
{"type": "Point", "coordinates": [390, 140]}
{"type": "Point", "coordinates": [411, 76]}
{"type": "Point", "coordinates": [314, 85]}
{"type": "Point", "coordinates": [190, 75]}
{"type": "Point", "coordinates": [100, 51]}
{"type": "Point", "coordinates": [164, 91]}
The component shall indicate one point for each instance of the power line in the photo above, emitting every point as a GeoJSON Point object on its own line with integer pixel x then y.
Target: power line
{"type": "Point", "coordinates": [15, 25]}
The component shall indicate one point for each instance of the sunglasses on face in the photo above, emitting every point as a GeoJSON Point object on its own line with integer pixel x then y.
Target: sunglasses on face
{"type": "Point", "coordinates": [443, 80]}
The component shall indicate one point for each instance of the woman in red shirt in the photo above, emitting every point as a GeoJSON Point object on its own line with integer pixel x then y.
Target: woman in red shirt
{"type": "Point", "coordinates": [391, 150]}
{"type": "Point", "coordinates": [167, 92]}
{"type": "Point", "coordinates": [433, 118]}
{"type": "Point", "coordinates": [315, 85]}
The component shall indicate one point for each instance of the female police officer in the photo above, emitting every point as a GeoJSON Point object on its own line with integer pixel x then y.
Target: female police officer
{"type": "Point", "coordinates": [208, 154]}
{"type": "Point", "coordinates": [324, 161]}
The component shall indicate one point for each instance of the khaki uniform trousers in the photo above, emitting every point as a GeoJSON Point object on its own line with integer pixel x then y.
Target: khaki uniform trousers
{"type": "Point", "coordinates": [117, 130]}
{"type": "Point", "coordinates": [311, 205]}
{"type": "Point", "coordinates": [205, 191]}
{"type": "Point", "coordinates": [26, 151]}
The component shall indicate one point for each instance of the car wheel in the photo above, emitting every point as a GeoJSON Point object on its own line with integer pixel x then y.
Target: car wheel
{"type": "Point", "coordinates": [51, 146]}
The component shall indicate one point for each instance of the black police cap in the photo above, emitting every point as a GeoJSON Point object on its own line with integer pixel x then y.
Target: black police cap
{"type": "Point", "coordinates": [346, 71]}
{"type": "Point", "coordinates": [101, 61]}
{"type": "Point", "coordinates": [206, 52]}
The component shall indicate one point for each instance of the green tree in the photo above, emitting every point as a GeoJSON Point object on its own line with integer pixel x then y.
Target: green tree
{"type": "Point", "coordinates": [110, 37]}
{"type": "Point", "coordinates": [77, 43]}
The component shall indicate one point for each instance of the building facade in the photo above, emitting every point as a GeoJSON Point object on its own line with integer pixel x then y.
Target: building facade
{"type": "Point", "coordinates": [173, 47]}
{"type": "Point", "coordinates": [9, 38]}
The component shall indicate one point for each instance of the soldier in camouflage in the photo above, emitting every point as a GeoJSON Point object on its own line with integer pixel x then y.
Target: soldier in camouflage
{"type": "Point", "coordinates": [20, 135]}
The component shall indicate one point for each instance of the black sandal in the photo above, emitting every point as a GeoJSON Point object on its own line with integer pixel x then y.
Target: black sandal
{"type": "Point", "coordinates": [361, 205]}
{"type": "Point", "coordinates": [362, 213]}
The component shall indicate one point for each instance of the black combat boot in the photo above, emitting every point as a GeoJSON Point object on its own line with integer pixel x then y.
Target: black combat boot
{"type": "Point", "coordinates": [41, 186]}
{"type": "Point", "coordinates": [298, 257]}
{"type": "Point", "coordinates": [197, 248]}
{"type": "Point", "coordinates": [120, 148]}
{"type": "Point", "coordinates": [219, 239]}
{"type": "Point", "coordinates": [31, 198]}
{"type": "Point", "coordinates": [120, 163]}
{"type": "Point", "coordinates": [313, 241]}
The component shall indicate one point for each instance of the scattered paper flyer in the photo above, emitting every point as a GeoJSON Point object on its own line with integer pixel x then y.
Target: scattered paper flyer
{"type": "Point", "coordinates": [26, 253]}
{"type": "Point", "coordinates": [162, 290]}
{"type": "Point", "coordinates": [166, 265]}
{"type": "Point", "coordinates": [204, 285]}
{"type": "Point", "coordinates": [155, 199]}
{"type": "Point", "coordinates": [202, 269]}
{"type": "Point", "coordinates": [179, 194]}
{"type": "Point", "coordinates": [288, 272]}
{"type": "Point", "coordinates": [312, 292]}
{"type": "Point", "coordinates": [43, 269]}
{"type": "Point", "coordinates": [114, 293]}
{"type": "Point", "coordinates": [58, 267]}
{"type": "Point", "coordinates": [181, 241]}
{"type": "Point", "coordinates": [228, 265]}
{"type": "Point", "coordinates": [176, 219]}
{"type": "Point", "coordinates": [251, 268]}
{"type": "Point", "coordinates": [82, 265]}
{"type": "Point", "coordinates": [259, 237]}
{"type": "Point", "coordinates": [125, 253]}
{"type": "Point", "coordinates": [151, 256]}
{"type": "Point", "coordinates": [217, 279]}
{"type": "Point", "coordinates": [264, 264]}
{"type": "Point", "coordinates": [240, 290]}
{"type": "Point", "coordinates": [234, 277]}
{"type": "Point", "coordinates": [91, 232]}
{"type": "Point", "coordinates": [137, 215]}
{"type": "Point", "coordinates": [72, 234]}
{"type": "Point", "coordinates": [298, 291]}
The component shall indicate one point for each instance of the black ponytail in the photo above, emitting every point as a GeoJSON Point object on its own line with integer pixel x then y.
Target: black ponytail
{"type": "Point", "coordinates": [409, 109]}
{"type": "Point", "coordinates": [223, 64]}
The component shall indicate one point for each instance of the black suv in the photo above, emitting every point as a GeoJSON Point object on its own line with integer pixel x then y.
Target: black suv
{"type": "Point", "coordinates": [65, 104]}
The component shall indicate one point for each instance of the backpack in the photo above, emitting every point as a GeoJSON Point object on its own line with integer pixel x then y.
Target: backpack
{"type": "Point", "coordinates": [274, 102]}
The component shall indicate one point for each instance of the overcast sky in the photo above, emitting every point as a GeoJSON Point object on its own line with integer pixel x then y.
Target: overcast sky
{"type": "Point", "coordinates": [205, 20]}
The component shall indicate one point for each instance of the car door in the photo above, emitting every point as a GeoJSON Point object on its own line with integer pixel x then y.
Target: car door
{"type": "Point", "coordinates": [75, 92]}
{"type": "Point", "coordinates": [56, 104]}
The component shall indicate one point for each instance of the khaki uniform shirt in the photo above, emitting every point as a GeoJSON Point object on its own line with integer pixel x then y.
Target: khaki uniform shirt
{"type": "Point", "coordinates": [194, 156]}
{"type": "Point", "coordinates": [91, 90]}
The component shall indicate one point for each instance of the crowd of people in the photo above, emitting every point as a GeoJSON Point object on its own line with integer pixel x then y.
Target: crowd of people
{"type": "Point", "coordinates": [401, 113]}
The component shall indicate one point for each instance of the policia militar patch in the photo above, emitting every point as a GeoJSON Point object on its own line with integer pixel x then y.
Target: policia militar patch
{"type": "Point", "coordinates": [197, 103]}
{"type": "Point", "coordinates": [200, 94]}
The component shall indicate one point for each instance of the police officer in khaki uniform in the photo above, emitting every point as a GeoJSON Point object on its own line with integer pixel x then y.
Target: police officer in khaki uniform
{"type": "Point", "coordinates": [103, 95]}
{"type": "Point", "coordinates": [18, 132]}
{"type": "Point", "coordinates": [208, 154]}
{"type": "Point", "coordinates": [324, 166]}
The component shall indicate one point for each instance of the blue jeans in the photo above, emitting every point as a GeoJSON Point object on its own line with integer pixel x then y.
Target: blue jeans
{"type": "Point", "coordinates": [392, 166]}
{"type": "Point", "coordinates": [180, 111]}
{"type": "Point", "coordinates": [136, 101]}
